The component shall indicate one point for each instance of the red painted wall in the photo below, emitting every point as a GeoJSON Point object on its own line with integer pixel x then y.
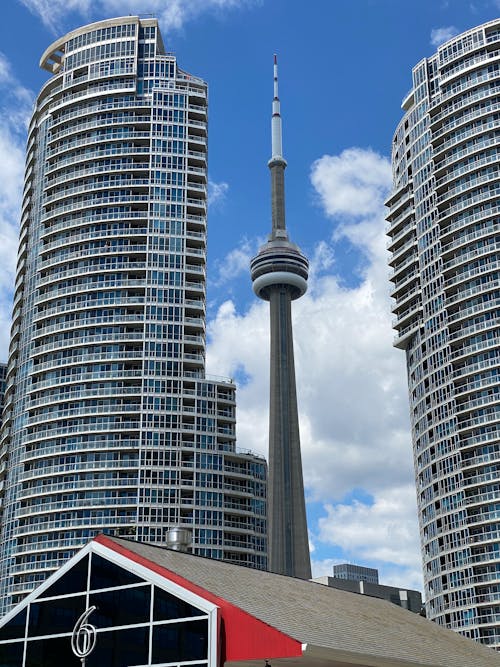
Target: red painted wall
{"type": "Point", "coordinates": [243, 637]}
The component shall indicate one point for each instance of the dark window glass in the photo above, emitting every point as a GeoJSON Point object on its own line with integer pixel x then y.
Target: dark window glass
{"type": "Point", "coordinates": [167, 606]}
{"type": "Point", "coordinates": [11, 655]}
{"type": "Point", "coordinates": [177, 642]}
{"type": "Point", "coordinates": [104, 574]}
{"type": "Point", "coordinates": [127, 606]}
{"type": "Point", "coordinates": [120, 648]}
{"type": "Point", "coordinates": [51, 653]}
{"type": "Point", "coordinates": [73, 581]}
{"type": "Point", "coordinates": [15, 628]}
{"type": "Point", "coordinates": [55, 616]}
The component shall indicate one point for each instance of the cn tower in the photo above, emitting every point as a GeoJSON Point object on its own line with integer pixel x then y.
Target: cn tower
{"type": "Point", "coordinates": [279, 275]}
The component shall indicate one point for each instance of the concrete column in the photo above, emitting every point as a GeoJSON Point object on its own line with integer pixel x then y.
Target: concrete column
{"type": "Point", "coordinates": [287, 530]}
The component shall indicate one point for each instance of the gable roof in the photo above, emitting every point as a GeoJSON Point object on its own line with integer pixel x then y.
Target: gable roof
{"type": "Point", "coordinates": [332, 626]}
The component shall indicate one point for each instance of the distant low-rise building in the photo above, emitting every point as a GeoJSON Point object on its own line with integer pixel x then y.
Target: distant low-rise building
{"type": "Point", "coordinates": [364, 580]}
{"type": "Point", "coordinates": [355, 573]}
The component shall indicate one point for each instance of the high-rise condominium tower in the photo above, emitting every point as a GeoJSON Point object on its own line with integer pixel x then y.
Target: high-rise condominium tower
{"type": "Point", "coordinates": [110, 422]}
{"type": "Point", "coordinates": [444, 225]}
{"type": "Point", "coordinates": [279, 274]}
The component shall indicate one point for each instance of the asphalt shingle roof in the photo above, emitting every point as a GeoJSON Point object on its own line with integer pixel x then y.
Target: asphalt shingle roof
{"type": "Point", "coordinates": [325, 617]}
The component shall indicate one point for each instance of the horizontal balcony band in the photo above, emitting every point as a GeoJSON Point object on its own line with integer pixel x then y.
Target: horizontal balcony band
{"type": "Point", "coordinates": [124, 266]}
{"type": "Point", "coordinates": [472, 273]}
{"type": "Point", "coordinates": [469, 151]}
{"type": "Point", "coordinates": [94, 169]}
{"type": "Point", "coordinates": [466, 238]}
{"type": "Point", "coordinates": [97, 122]}
{"type": "Point", "coordinates": [135, 249]}
{"type": "Point", "coordinates": [88, 288]}
{"type": "Point", "coordinates": [464, 294]}
{"type": "Point", "coordinates": [81, 306]}
{"type": "Point", "coordinates": [54, 399]}
{"type": "Point", "coordinates": [86, 411]}
{"type": "Point", "coordinates": [84, 204]}
{"type": "Point", "coordinates": [465, 169]}
{"type": "Point", "coordinates": [77, 142]}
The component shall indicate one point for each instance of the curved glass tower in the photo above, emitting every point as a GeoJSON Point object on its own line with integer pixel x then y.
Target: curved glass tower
{"type": "Point", "coordinates": [110, 422]}
{"type": "Point", "coordinates": [444, 227]}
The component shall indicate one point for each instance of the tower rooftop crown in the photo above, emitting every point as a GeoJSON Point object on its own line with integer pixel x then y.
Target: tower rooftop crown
{"type": "Point", "coordinates": [279, 262]}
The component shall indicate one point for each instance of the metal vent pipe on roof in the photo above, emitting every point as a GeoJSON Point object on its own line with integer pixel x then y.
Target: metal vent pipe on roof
{"type": "Point", "coordinates": [179, 539]}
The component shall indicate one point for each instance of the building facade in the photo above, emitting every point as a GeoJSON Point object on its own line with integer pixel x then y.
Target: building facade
{"type": "Point", "coordinates": [110, 422]}
{"type": "Point", "coordinates": [402, 597]}
{"type": "Point", "coordinates": [3, 383]}
{"type": "Point", "coordinates": [351, 572]}
{"type": "Point", "coordinates": [444, 228]}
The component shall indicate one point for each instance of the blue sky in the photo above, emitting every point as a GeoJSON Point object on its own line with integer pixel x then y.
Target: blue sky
{"type": "Point", "coordinates": [345, 66]}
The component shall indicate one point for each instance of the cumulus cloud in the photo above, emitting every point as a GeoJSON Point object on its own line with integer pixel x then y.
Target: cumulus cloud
{"type": "Point", "coordinates": [52, 12]}
{"type": "Point", "coordinates": [353, 183]}
{"type": "Point", "coordinates": [357, 527]}
{"type": "Point", "coordinates": [15, 109]}
{"type": "Point", "coordinates": [382, 533]}
{"type": "Point", "coordinates": [322, 260]}
{"type": "Point", "coordinates": [235, 263]}
{"type": "Point", "coordinates": [172, 15]}
{"type": "Point", "coordinates": [441, 35]}
{"type": "Point", "coordinates": [351, 381]}
{"type": "Point", "coordinates": [323, 567]}
{"type": "Point", "coordinates": [217, 192]}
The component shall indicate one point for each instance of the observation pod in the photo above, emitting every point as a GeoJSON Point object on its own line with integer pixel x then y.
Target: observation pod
{"type": "Point", "coordinates": [279, 263]}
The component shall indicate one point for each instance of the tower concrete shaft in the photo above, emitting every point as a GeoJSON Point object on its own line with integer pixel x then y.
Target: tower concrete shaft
{"type": "Point", "coordinates": [279, 274]}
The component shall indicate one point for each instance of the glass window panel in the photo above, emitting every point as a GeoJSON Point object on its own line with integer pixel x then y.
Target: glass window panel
{"type": "Point", "coordinates": [55, 616]}
{"type": "Point", "coordinates": [180, 641]}
{"type": "Point", "coordinates": [15, 628]}
{"type": "Point", "coordinates": [126, 606]}
{"type": "Point", "coordinates": [167, 607]}
{"type": "Point", "coordinates": [73, 581]}
{"type": "Point", "coordinates": [54, 651]}
{"type": "Point", "coordinates": [120, 648]}
{"type": "Point", "coordinates": [11, 655]}
{"type": "Point", "coordinates": [104, 574]}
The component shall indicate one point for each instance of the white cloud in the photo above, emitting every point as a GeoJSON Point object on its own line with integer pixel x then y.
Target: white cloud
{"type": "Point", "coordinates": [322, 260]}
{"type": "Point", "coordinates": [52, 12]}
{"type": "Point", "coordinates": [351, 381]}
{"type": "Point", "coordinates": [441, 35]}
{"type": "Point", "coordinates": [217, 192]}
{"type": "Point", "coordinates": [15, 109]}
{"type": "Point", "coordinates": [379, 533]}
{"type": "Point", "coordinates": [382, 531]}
{"type": "Point", "coordinates": [353, 183]}
{"type": "Point", "coordinates": [324, 567]}
{"type": "Point", "coordinates": [172, 15]}
{"type": "Point", "coordinates": [236, 262]}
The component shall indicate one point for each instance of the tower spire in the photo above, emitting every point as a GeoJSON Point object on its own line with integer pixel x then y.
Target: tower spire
{"type": "Point", "coordinates": [276, 131]}
{"type": "Point", "coordinates": [277, 165]}
{"type": "Point", "coordinates": [279, 275]}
